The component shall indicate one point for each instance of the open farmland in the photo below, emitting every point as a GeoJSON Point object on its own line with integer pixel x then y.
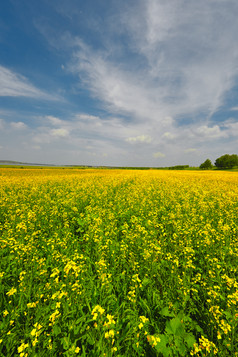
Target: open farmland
{"type": "Point", "coordinates": [118, 263]}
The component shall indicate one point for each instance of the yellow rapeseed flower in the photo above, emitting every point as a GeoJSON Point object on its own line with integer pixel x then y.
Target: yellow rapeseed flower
{"type": "Point", "coordinates": [33, 332]}
{"type": "Point", "coordinates": [22, 347]}
{"type": "Point", "coordinates": [11, 291]}
{"type": "Point", "coordinates": [110, 333]}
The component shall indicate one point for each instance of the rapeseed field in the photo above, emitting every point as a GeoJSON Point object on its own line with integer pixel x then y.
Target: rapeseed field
{"type": "Point", "coordinates": [118, 263]}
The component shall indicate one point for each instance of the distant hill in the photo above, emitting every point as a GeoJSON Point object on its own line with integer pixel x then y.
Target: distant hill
{"type": "Point", "coordinates": [11, 162]}
{"type": "Point", "coordinates": [177, 167]}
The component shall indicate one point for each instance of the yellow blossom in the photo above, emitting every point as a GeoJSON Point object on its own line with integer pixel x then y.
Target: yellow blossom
{"type": "Point", "coordinates": [144, 319]}
{"type": "Point", "coordinates": [22, 347]}
{"type": "Point", "coordinates": [110, 333]}
{"type": "Point", "coordinates": [11, 291]}
{"type": "Point", "coordinates": [153, 340]}
{"type": "Point", "coordinates": [97, 309]}
{"type": "Point", "coordinates": [33, 332]}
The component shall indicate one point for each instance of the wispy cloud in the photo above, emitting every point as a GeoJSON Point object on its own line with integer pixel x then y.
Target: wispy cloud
{"type": "Point", "coordinates": [143, 86]}
{"type": "Point", "coordinates": [13, 84]}
{"type": "Point", "coordinates": [182, 55]}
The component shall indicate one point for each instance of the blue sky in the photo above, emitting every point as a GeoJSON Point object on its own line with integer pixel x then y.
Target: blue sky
{"type": "Point", "coordinates": [130, 82]}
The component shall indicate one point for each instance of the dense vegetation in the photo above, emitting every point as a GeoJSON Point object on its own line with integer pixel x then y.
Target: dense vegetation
{"type": "Point", "coordinates": [206, 165]}
{"type": "Point", "coordinates": [118, 263]}
{"type": "Point", "coordinates": [223, 162]}
{"type": "Point", "coordinates": [227, 161]}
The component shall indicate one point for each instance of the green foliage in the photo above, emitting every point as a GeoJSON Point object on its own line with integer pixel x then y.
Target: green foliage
{"type": "Point", "coordinates": [206, 165]}
{"type": "Point", "coordinates": [227, 161]}
{"type": "Point", "coordinates": [178, 167]}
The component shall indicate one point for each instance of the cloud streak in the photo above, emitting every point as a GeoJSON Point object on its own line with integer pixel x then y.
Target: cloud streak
{"type": "Point", "coordinates": [13, 84]}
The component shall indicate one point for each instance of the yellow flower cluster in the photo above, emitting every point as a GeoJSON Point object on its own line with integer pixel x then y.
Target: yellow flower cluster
{"type": "Point", "coordinates": [204, 346]}
{"type": "Point", "coordinates": [143, 320]}
{"type": "Point", "coordinates": [11, 291]}
{"type": "Point", "coordinates": [97, 310]}
{"type": "Point", "coordinates": [54, 316]}
{"type": "Point", "coordinates": [153, 340]}
{"type": "Point", "coordinates": [128, 240]}
{"type": "Point", "coordinates": [22, 348]}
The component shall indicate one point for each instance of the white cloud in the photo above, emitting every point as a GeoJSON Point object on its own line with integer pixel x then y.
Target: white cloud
{"type": "Point", "coordinates": [86, 117]}
{"type": "Point", "coordinates": [231, 128]}
{"type": "Point", "coordinates": [167, 121]}
{"type": "Point", "coordinates": [190, 150]}
{"type": "Point", "coordinates": [61, 132]}
{"type": "Point", "coordinates": [168, 135]}
{"type": "Point", "coordinates": [141, 138]}
{"type": "Point", "coordinates": [210, 132]}
{"type": "Point", "coordinates": [18, 125]}
{"type": "Point", "coordinates": [46, 135]}
{"type": "Point", "coordinates": [54, 120]}
{"type": "Point", "coordinates": [15, 85]}
{"type": "Point", "coordinates": [172, 71]}
{"type": "Point", "coordinates": [183, 55]}
{"type": "Point", "coordinates": [158, 154]}
{"type": "Point", "coordinates": [2, 122]}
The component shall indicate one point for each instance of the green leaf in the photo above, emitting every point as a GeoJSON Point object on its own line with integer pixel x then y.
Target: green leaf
{"type": "Point", "coordinates": [190, 340]}
{"type": "Point", "coordinates": [175, 327]}
{"type": "Point", "coordinates": [162, 346]}
{"type": "Point", "coordinates": [165, 312]}
{"type": "Point", "coordinates": [56, 330]}
{"type": "Point", "coordinates": [76, 329]}
{"type": "Point", "coordinates": [146, 281]}
{"type": "Point", "coordinates": [228, 315]}
{"type": "Point", "coordinates": [180, 346]}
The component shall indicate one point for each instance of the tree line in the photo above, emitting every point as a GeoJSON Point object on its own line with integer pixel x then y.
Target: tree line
{"type": "Point", "coordinates": [223, 162]}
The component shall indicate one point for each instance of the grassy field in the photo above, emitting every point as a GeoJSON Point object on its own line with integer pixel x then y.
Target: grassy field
{"type": "Point", "coordinates": [118, 263]}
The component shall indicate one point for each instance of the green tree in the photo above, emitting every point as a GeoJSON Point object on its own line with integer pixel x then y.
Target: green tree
{"type": "Point", "coordinates": [206, 165]}
{"type": "Point", "coordinates": [227, 161]}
